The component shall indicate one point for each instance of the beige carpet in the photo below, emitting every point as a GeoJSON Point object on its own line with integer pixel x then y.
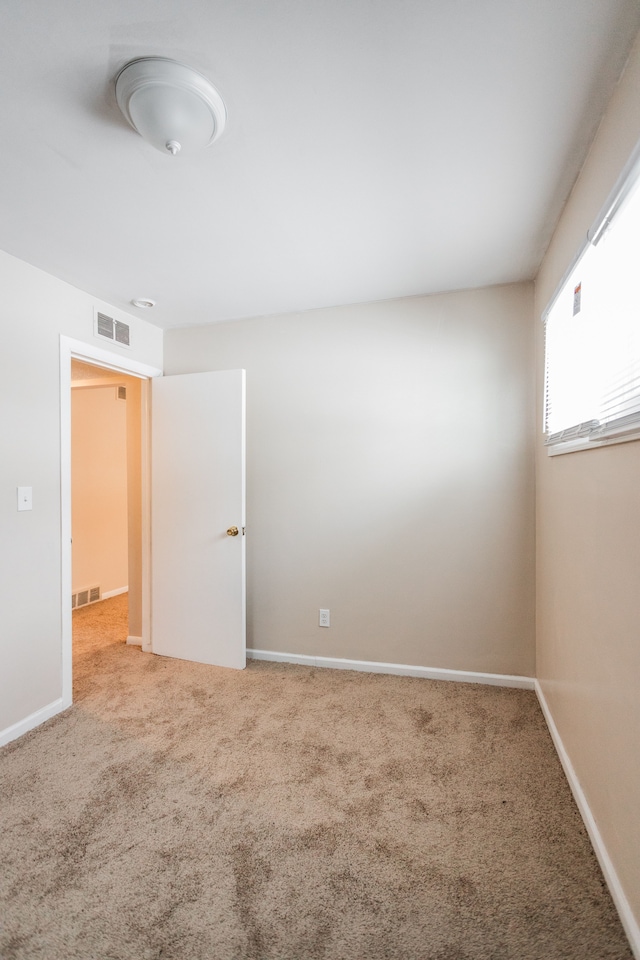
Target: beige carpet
{"type": "Point", "coordinates": [184, 812]}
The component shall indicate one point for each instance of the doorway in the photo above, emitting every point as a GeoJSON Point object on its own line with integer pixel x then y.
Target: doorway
{"type": "Point", "coordinates": [106, 492]}
{"type": "Point", "coordinates": [109, 370]}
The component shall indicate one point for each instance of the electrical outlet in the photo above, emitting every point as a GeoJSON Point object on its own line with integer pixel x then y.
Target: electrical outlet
{"type": "Point", "coordinates": [325, 618]}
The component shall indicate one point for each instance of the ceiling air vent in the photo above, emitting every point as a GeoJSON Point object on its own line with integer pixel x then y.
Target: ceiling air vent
{"type": "Point", "coordinates": [110, 329]}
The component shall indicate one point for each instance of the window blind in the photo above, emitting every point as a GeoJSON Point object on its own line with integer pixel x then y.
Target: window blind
{"type": "Point", "coordinates": [592, 328]}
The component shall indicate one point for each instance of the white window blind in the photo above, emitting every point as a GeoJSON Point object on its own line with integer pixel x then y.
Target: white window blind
{"type": "Point", "coordinates": [592, 333]}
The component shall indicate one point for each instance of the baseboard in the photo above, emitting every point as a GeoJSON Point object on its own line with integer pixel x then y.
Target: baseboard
{"type": "Point", "coordinates": [398, 669]}
{"type": "Point", "coordinates": [34, 720]}
{"type": "Point", "coordinates": [134, 641]}
{"type": "Point", "coordinates": [114, 593]}
{"type": "Point", "coordinates": [629, 922]}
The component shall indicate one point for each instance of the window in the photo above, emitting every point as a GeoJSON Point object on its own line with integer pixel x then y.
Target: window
{"type": "Point", "coordinates": [592, 331]}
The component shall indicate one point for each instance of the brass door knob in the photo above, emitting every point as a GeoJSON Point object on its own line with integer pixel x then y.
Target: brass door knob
{"type": "Point", "coordinates": [232, 532]}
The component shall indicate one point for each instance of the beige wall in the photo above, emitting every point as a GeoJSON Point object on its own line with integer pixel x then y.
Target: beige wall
{"type": "Point", "coordinates": [35, 308]}
{"type": "Point", "coordinates": [588, 534]}
{"type": "Point", "coordinates": [99, 488]}
{"type": "Point", "coordinates": [390, 477]}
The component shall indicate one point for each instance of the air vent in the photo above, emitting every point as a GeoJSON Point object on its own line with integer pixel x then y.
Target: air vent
{"type": "Point", "coordinates": [83, 598]}
{"type": "Point", "coordinates": [104, 326]}
{"type": "Point", "coordinates": [122, 333]}
{"type": "Point", "coordinates": [121, 393]}
{"type": "Point", "coordinates": [114, 330]}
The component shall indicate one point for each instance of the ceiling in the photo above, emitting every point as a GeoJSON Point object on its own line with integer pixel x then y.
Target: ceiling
{"type": "Point", "coordinates": [373, 149]}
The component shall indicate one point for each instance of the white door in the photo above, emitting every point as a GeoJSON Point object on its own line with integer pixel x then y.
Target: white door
{"type": "Point", "coordinates": [197, 501]}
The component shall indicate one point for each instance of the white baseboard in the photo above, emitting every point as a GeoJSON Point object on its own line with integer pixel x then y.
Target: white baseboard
{"type": "Point", "coordinates": [114, 593]}
{"type": "Point", "coordinates": [629, 922]}
{"type": "Point", "coordinates": [35, 719]}
{"type": "Point", "coordinates": [398, 669]}
{"type": "Point", "coordinates": [134, 641]}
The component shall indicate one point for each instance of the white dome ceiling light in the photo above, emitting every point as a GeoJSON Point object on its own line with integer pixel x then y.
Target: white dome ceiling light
{"type": "Point", "coordinates": [172, 106]}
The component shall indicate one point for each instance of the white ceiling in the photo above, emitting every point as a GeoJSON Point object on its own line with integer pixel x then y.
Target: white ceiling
{"type": "Point", "coordinates": [374, 148]}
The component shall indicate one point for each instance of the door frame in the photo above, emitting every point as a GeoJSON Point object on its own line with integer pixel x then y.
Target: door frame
{"type": "Point", "coordinates": [71, 349]}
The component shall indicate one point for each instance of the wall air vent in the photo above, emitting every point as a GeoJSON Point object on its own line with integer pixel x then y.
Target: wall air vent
{"type": "Point", "coordinates": [121, 393]}
{"type": "Point", "coordinates": [84, 597]}
{"type": "Point", "coordinates": [109, 329]}
{"type": "Point", "coordinates": [104, 326]}
{"type": "Point", "coordinates": [122, 333]}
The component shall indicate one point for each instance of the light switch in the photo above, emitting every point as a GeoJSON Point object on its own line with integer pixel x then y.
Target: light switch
{"type": "Point", "coordinates": [25, 498]}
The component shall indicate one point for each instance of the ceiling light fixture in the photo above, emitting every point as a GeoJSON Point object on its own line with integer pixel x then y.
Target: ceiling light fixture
{"type": "Point", "coordinates": [143, 302]}
{"type": "Point", "coordinates": [172, 106]}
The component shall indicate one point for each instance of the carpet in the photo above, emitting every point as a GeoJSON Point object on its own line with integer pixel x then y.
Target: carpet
{"type": "Point", "coordinates": [185, 812]}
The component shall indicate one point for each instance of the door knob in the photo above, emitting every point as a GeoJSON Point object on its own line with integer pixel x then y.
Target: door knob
{"type": "Point", "coordinates": [232, 532]}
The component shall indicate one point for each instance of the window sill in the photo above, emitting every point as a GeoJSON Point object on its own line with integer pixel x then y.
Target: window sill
{"type": "Point", "coordinates": [573, 446]}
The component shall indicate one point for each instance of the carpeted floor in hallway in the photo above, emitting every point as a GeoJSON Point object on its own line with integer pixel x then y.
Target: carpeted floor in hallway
{"type": "Point", "coordinates": [185, 812]}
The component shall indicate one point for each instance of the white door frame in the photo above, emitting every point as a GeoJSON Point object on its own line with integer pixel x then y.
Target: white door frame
{"type": "Point", "coordinates": [79, 350]}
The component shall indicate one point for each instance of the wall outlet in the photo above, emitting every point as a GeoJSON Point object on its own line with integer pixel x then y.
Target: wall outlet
{"type": "Point", "coordinates": [325, 618]}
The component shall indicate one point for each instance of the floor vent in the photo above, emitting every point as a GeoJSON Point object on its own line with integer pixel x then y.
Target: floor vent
{"type": "Point", "coordinates": [114, 330]}
{"type": "Point", "coordinates": [83, 598]}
